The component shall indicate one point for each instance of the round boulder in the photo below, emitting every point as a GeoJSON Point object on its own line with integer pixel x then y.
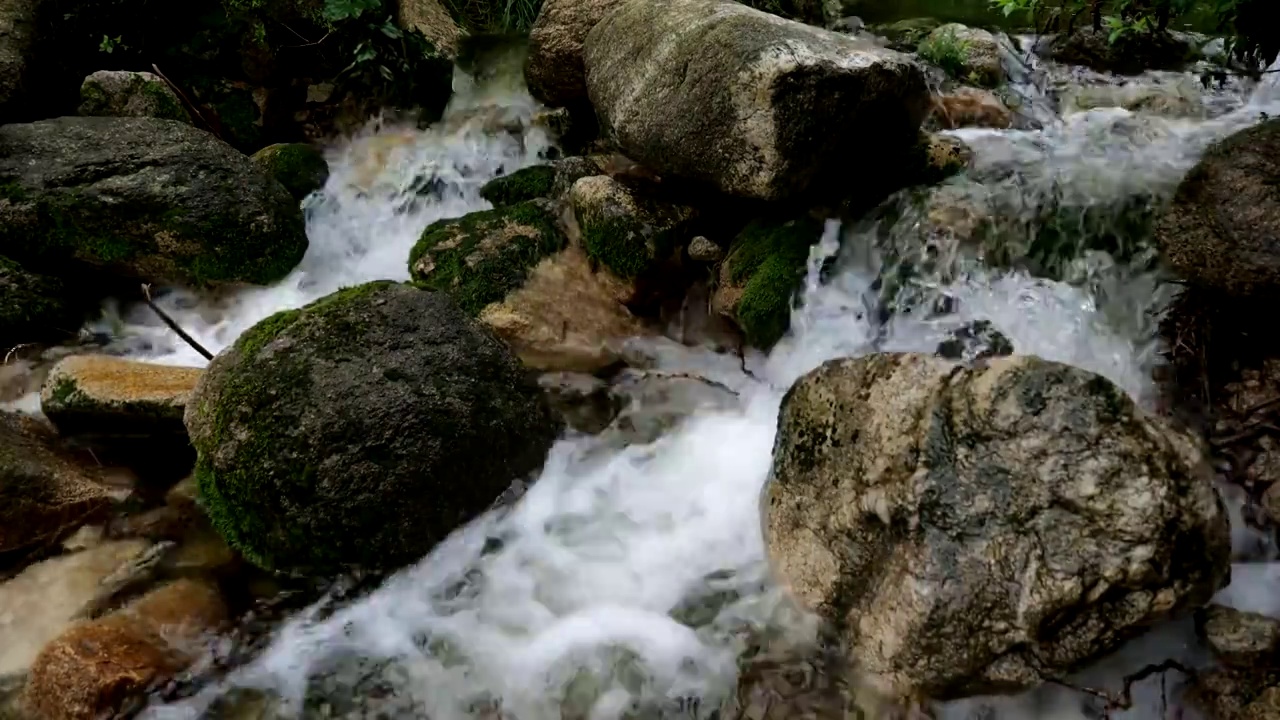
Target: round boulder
{"type": "Point", "coordinates": [360, 430]}
{"type": "Point", "coordinates": [965, 530]}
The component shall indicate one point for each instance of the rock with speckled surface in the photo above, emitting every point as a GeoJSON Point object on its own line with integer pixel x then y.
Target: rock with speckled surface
{"type": "Point", "coordinates": [965, 529]}
{"type": "Point", "coordinates": [749, 103]}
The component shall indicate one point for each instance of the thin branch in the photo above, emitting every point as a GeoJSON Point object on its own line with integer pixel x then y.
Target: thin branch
{"type": "Point", "coordinates": [190, 105]}
{"type": "Point", "coordinates": [146, 292]}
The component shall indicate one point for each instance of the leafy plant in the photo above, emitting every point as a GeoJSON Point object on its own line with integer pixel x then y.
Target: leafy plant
{"type": "Point", "coordinates": [946, 50]}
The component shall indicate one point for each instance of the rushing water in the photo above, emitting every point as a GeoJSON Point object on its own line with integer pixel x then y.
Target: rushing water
{"type": "Point", "coordinates": [562, 606]}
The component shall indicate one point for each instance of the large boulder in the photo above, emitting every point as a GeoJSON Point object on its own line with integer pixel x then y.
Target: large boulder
{"type": "Point", "coordinates": [749, 103]}
{"type": "Point", "coordinates": [1222, 230]}
{"type": "Point", "coordinates": [967, 529]}
{"type": "Point", "coordinates": [361, 429]}
{"type": "Point", "coordinates": [156, 200]}
{"type": "Point", "coordinates": [122, 93]}
{"type": "Point", "coordinates": [553, 69]}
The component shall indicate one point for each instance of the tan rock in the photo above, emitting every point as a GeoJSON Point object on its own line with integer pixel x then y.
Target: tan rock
{"type": "Point", "coordinates": [110, 395]}
{"type": "Point", "coordinates": [45, 494]}
{"type": "Point", "coordinates": [95, 667]}
{"type": "Point", "coordinates": [430, 18]}
{"type": "Point", "coordinates": [43, 600]}
{"type": "Point", "coordinates": [565, 317]}
{"type": "Point", "coordinates": [553, 68]}
{"type": "Point", "coordinates": [969, 107]}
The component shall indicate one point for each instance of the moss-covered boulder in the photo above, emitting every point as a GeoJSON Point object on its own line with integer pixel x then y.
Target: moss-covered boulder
{"type": "Point", "coordinates": [539, 181]}
{"type": "Point", "coordinates": [905, 35]}
{"type": "Point", "coordinates": [760, 277]}
{"type": "Point", "coordinates": [624, 230]}
{"type": "Point", "coordinates": [36, 307]}
{"type": "Point", "coordinates": [121, 93]}
{"type": "Point", "coordinates": [360, 430]}
{"type": "Point", "coordinates": [480, 257]}
{"type": "Point", "coordinates": [970, 55]}
{"type": "Point", "coordinates": [156, 200]}
{"type": "Point", "coordinates": [299, 167]}
{"type": "Point", "coordinates": [1129, 54]}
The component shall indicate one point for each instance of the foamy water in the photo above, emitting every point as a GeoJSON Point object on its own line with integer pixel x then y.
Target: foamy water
{"type": "Point", "coordinates": [562, 606]}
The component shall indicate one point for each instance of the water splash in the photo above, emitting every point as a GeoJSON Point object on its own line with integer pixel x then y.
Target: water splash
{"type": "Point", "coordinates": [623, 581]}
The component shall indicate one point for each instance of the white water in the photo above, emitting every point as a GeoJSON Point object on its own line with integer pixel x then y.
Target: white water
{"type": "Point", "coordinates": [595, 557]}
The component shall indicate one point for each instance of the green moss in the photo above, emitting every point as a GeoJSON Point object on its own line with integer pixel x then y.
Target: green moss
{"type": "Point", "coordinates": [623, 231]}
{"type": "Point", "coordinates": [524, 184]}
{"type": "Point", "coordinates": [299, 167]}
{"type": "Point", "coordinates": [481, 257]}
{"type": "Point", "coordinates": [13, 191]}
{"type": "Point", "coordinates": [163, 102]}
{"type": "Point", "coordinates": [616, 243]}
{"type": "Point", "coordinates": [768, 260]}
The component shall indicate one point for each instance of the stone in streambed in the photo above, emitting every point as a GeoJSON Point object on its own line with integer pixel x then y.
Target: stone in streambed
{"type": "Point", "coordinates": [360, 430]}
{"type": "Point", "coordinates": [123, 93]}
{"type": "Point", "coordinates": [142, 198]}
{"type": "Point", "coordinates": [749, 103]}
{"type": "Point", "coordinates": [627, 231]}
{"type": "Point", "coordinates": [968, 529]}
{"type": "Point", "coordinates": [967, 54]}
{"type": "Point", "coordinates": [299, 167]}
{"type": "Point", "coordinates": [539, 181]}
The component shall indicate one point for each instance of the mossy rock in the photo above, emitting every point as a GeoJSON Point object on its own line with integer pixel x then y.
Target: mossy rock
{"type": "Point", "coordinates": [105, 395]}
{"type": "Point", "coordinates": [538, 181]}
{"type": "Point", "coordinates": [938, 157]}
{"type": "Point", "coordinates": [1129, 54]}
{"type": "Point", "coordinates": [905, 35]}
{"type": "Point", "coordinates": [479, 258]}
{"type": "Point", "coordinates": [970, 55]}
{"type": "Point", "coordinates": [361, 429]}
{"type": "Point", "coordinates": [36, 307]}
{"type": "Point", "coordinates": [624, 230]}
{"type": "Point", "coordinates": [120, 93]}
{"type": "Point", "coordinates": [758, 280]}
{"type": "Point", "coordinates": [299, 167]}
{"type": "Point", "coordinates": [145, 199]}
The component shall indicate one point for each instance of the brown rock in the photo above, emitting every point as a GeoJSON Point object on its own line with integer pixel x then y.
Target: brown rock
{"type": "Point", "coordinates": [565, 317]}
{"type": "Point", "coordinates": [43, 600]}
{"type": "Point", "coordinates": [1265, 707]}
{"type": "Point", "coordinates": [1241, 639]}
{"type": "Point", "coordinates": [553, 69]}
{"type": "Point", "coordinates": [94, 668]}
{"type": "Point", "coordinates": [969, 107]}
{"type": "Point", "coordinates": [108, 395]}
{"type": "Point", "coordinates": [44, 493]}
{"type": "Point", "coordinates": [430, 18]}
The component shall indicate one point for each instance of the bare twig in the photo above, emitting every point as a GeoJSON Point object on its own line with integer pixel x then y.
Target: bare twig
{"type": "Point", "coordinates": [146, 293]}
{"type": "Point", "coordinates": [13, 350]}
{"type": "Point", "coordinates": [209, 125]}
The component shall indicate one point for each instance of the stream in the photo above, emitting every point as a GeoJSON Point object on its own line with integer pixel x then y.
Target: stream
{"type": "Point", "coordinates": [623, 582]}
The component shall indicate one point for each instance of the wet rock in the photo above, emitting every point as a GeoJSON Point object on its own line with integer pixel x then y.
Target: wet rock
{"type": "Point", "coordinates": [123, 93]}
{"type": "Point", "coordinates": [905, 35]}
{"type": "Point", "coordinates": [538, 181]}
{"type": "Point", "coordinates": [100, 667]}
{"type": "Point", "coordinates": [1220, 231]}
{"type": "Point", "coordinates": [942, 517]}
{"type": "Point", "coordinates": [421, 416]}
{"type": "Point", "coordinates": [1129, 54]}
{"type": "Point", "coordinates": [583, 400]}
{"type": "Point", "coordinates": [969, 107]}
{"type": "Point", "coordinates": [46, 598]}
{"type": "Point", "coordinates": [625, 230]}
{"type": "Point", "coordinates": [1264, 707]}
{"type": "Point", "coordinates": [704, 251]}
{"type": "Point", "coordinates": [698, 89]}
{"type": "Point", "coordinates": [967, 54]}
{"type": "Point", "coordinates": [432, 20]}
{"type": "Point", "coordinates": [106, 395]}
{"type": "Point", "coordinates": [1271, 502]}
{"type": "Point", "coordinates": [143, 198]}
{"type": "Point", "coordinates": [654, 402]}
{"type": "Point", "coordinates": [299, 167]}
{"type": "Point", "coordinates": [1232, 694]}
{"type": "Point", "coordinates": [975, 341]}
{"type": "Point", "coordinates": [35, 307]}
{"type": "Point", "coordinates": [45, 494]}
{"type": "Point", "coordinates": [759, 278]}
{"type": "Point", "coordinates": [553, 69]}
{"type": "Point", "coordinates": [1241, 639]}
{"type": "Point", "coordinates": [1178, 99]}
{"type": "Point", "coordinates": [565, 316]}
{"type": "Point", "coordinates": [937, 158]}
{"type": "Point", "coordinates": [481, 257]}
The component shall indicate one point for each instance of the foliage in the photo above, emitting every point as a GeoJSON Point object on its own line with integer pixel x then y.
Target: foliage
{"type": "Point", "coordinates": [1250, 43]}
{"type": "Point", "coordinates": [946, 50]}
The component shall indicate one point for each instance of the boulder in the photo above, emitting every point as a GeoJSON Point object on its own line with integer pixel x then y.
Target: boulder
{"type": "Point", "coordinates": [749, 103]}
{"type": "Point", "coordinates": [299, 167]}
{"type": "Point", "coordinates": [553, 69]}
{"type": "Point", "coordinates": [105, 395]}
{"type": "Point", "coordinates": [974, 342]}
{"type": "Point", "coordinates": [758, 280]}
{"type": "Point", "coordinates": [122, 93]}
{"type": "Point", "coordinates": [539, 181]}
{"type": "Point", "coordinates": [905, 35]}
{"type": "Point", "coordinates": [432, 20]}
{"type": "Point", "coordinates": [143, 198]}
{"type": "Point", "coordinates": [480, 257]}
{"type": "Point", "coordinates": [966, 529]}
{"type": "Point", "coordinates": [95, 668]}
{"type": "Point", "coordinates": [45, 599]}
{"type": "Point", "coordinates": [565, 316]}
{"type": "Point", "coordinates": [360, 430]}
{"type": "Point", "coordinates": [627, 231]}
{"type": "Point", "coordinates": [1222, 230]}
{"type": "Point", "coordinates": [1128, 54]}
{"type": "Point", "coordinates": [1241, 639]}
{"type": "Point", "coordinates": [967, 54]}
{"type": "Point", "coordinates": [969, 107]}
{"type": "Point", "coordinates": [35, 307]}
{"type": "Point", "coordinates": [45, 494]}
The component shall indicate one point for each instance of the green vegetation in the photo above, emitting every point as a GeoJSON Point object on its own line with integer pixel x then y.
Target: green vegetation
{"type": "Point", "coordinates": [528, 183]}
{"type": "Point", "coordinates": [947, 50]}
{"type": "Point", "coordinates": [299, 167]}
{"type": "Point", "coordinates": [768, 262]}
